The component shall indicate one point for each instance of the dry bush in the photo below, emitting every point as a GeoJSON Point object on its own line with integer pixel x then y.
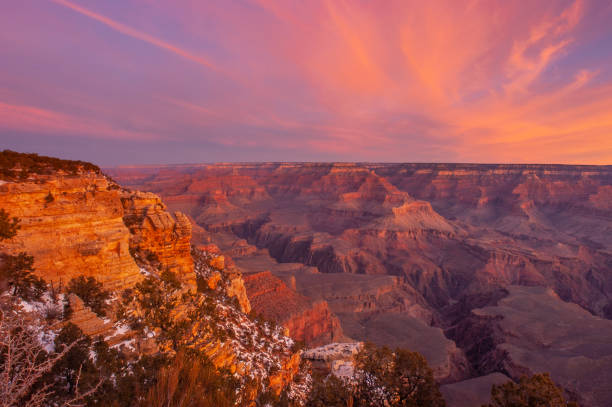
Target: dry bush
{"type": "Point", "coordinates": [191, 381]}
{"type": "Point", "coordinates": [24, 364]}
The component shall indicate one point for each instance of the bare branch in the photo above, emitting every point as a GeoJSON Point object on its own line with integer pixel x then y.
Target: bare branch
{"type": "Point", "coordinates": [24, 363]}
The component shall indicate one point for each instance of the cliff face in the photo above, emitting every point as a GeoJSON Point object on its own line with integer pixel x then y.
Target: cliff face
{"type": "Point", "coordinates": [72, 225]}
{"type": "Point", "coordinates": [307, 321]}
{"type": "Point", "coordinates": [156, 234]}
{"type": "Point", "coordinates": [86, 225]}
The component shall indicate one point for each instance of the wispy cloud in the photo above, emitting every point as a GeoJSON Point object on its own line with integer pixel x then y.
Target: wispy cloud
{"type": "Point", "coordinates": [24, 118]}
{"type": "Point", "coordinates": [134, 33]}
{"type": "Point", "coordinates": [455, 80]}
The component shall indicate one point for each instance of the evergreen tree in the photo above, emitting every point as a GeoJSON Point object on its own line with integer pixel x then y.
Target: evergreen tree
{"type": "Point", "coordinates": [537, 390]}
{"type": "Point", "coordinates": [91, 291]}
{"type": "Point", "coordinates": [16, 271]}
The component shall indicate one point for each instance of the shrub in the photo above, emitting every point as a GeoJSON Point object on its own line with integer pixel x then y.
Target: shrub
{"type": "Point", "coordinates": [329, 391]}
{"type": "Point", "coordinates": [383, 378]}
{"type": "Point", "coordinates": [17, 273]}
{"type": "Point", "coordinates": [8, 226]}
{"type": "Point", "coordinates": [533, 391]}
{"type": "Point", "coordinates": [14, 165]}
{"type": "Point", "coordinates": [91, 291]}
{"type": "Point", "coordinates": [52, 312]}
{"type": "Point", "coordinates": [192, 380]}
{"type": "Point", "coordinates": [394, 378]}
{"type": "Point", "coordinates": [158, 299]}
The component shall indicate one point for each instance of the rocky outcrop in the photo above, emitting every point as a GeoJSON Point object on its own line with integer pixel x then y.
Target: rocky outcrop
{"type": "Point", "coordinates": [238, 291]}
{"type": "Point", "coordinates": [223, 268]}
{"type": "Point", "coordinates": [289, 369]}
{"type": "Point", "coordinates": [84, 224]}
{"type": "Point", "coordinates": [307, 321]}
{"type": "Point", "coordinates": [90, 323]}
{"type": "Point", "coordinates": [163, 239]}
{"type": "Point", "coordinates": [335, 358]}
{"type": "Point", "coordinates": [72, 225]}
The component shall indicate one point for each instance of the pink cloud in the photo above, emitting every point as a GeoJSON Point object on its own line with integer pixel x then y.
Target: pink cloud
{"type": "Point", "coordinates": [35, 119]}
{"type": "Point", "coordinates": [476, 80]}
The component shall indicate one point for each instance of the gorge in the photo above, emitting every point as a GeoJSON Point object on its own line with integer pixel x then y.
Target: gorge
{"type": "Point", "coordinates": [410, 254]}
{"type": "Point", "coordinates": [491, 272]}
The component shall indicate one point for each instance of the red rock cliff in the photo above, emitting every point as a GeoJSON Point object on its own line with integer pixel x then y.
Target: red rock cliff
{"type": "Point", "coordinates": [307, 321]}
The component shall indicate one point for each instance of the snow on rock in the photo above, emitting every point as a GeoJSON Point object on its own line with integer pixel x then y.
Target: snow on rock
{"type": "Point", "coordinates": [334, 351]}
{"type": "Point", "coordinates": [343, 368]}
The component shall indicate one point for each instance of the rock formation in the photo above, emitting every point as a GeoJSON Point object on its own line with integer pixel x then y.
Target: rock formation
{"type": "Point", "coordinates": [73, 225]}
{"type": "Point", "coordinates": [83, 223]}
{"type": "Point", "coordinates": [87, 225]}
{"type": "Point", "coordinates": [307, 321]}
{"type": "Point", "coordinates": [157, 234]}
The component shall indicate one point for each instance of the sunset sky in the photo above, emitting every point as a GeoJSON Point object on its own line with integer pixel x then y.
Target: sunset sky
{"type": "Point", "coordinates": [148, 81]}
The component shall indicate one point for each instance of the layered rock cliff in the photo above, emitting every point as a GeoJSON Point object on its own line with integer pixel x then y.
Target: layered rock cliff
{"type": "Point", "coordinates": [73, 225]}
{"type": "Point", "coordinates": [83, 223]}
{"type": "Point", "coordinates": [163, 239]}
{"type": "Point", "coordinates": [306, 321]}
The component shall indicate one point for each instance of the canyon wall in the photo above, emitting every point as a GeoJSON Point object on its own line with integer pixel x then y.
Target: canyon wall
{"type": "Point", "coordinates": [396, 249]}
{"type": "Point", "coordinates": [72, 225]}
{"type": "Point", "coordinates": [83, 223]}
{"type": "Point", "coordinates": [87, 225]}
{"type": "Point", "coordinates": [307, 321]}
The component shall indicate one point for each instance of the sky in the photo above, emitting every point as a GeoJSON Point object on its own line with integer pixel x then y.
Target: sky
{"type": "Point", "coordinates": [120, 82]}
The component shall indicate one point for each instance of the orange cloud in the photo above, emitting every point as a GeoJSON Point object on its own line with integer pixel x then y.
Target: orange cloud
{"type": "Point", "coordinates": [452, 80]}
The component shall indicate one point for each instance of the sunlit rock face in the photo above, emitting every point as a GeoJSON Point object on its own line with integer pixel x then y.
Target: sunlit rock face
{"type": "Point", "coordinates": [307, 321]}
{"type": "Point", "coordinates": [72, 225]}
{"type": "Point", "coordinates": [154, 230]}
{"type": "Point", "coordinates": [85, 224]}
{"type": "Point", "coordinates": [395, 247]}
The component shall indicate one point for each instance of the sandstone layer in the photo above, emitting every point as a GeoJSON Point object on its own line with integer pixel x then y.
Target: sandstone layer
{"type": "Point", "coordinates": [87, 225]}
{"type": "Point", "coordinates": [72, 225]}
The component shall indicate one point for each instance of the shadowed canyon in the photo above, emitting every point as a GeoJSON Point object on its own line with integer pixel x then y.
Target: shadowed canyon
{"type": "Point", "coordinates": [487, 270]}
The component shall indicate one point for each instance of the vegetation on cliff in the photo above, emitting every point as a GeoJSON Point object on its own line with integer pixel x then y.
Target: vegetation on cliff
{"type": "Point", "coordinates": [14, 165]}
{"type": "Point", "coordinates": [382, 378]}
{"type": "Point", "coordinates": [92, 292]}
{"type": "Point", "coordinates": [537, 390]}
{"type": "Point", "coordinates": [16, 271]}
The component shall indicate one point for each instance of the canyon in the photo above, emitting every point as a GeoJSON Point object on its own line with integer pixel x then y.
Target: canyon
{"type": "Point", "coordinates": [433, 257]}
